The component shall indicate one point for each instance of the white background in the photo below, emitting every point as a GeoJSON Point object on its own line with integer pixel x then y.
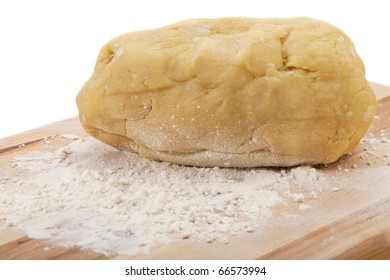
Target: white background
{"type": "Point", "coordinates": [48, 48]}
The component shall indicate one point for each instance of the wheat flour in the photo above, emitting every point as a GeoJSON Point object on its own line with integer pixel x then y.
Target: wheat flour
{"type": "Point", "coordinates": [94, 196]}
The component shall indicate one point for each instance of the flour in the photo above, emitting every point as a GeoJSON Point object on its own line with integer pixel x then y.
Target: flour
{"type": "Point", "coordinates": [94, 196]}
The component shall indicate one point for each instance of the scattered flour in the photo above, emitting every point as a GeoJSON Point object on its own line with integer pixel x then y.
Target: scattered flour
{"type": "Point", "coordinates": [94, 196]}
{"type": "Point", "coordinates": [371, 143]}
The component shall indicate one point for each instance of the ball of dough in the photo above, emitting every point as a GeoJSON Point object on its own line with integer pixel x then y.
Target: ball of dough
{"type": "Point", "coordinates": [239, 92]}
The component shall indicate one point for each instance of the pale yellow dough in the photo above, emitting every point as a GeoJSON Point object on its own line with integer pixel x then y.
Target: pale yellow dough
{"type": "Point", "coordinates": [239, 92]}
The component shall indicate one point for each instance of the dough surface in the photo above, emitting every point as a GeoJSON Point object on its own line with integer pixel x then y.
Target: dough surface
{"type": "Point", "coordinates": [239, 92]}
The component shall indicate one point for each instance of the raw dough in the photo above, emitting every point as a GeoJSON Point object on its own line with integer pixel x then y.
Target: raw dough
{"type": "Point", "coordinates": [239, 92]}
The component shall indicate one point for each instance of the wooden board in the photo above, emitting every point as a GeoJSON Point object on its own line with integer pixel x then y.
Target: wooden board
{"type": "Point", "coordinates": [353, 223]}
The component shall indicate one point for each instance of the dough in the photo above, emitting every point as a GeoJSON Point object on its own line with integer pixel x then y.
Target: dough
{"type": "Point", "coordinates": [239, 92]}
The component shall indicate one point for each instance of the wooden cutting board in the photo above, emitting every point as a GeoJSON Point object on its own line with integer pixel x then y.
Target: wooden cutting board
{"type": "Point", "coordinates": [352, 223]}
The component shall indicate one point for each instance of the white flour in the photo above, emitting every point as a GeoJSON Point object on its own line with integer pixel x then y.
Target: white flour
{"type": "Point", "coordinates": [91, 195]}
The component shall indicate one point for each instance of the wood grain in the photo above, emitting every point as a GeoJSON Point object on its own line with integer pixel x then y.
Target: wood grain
{"type": "Point", "coordinates": [363, 234]}
{"type": "Point", "coordinates": [353, 223]}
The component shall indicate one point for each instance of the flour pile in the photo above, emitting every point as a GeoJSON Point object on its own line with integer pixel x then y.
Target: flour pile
{"type": "Point", "coordinates": [94, 196]}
